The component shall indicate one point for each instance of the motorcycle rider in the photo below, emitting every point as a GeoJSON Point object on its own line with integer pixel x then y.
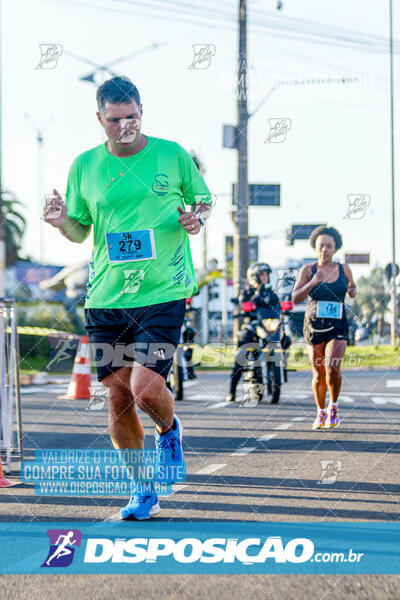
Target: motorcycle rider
{"type": "Point", "coordinates": [258, 290]}
{"type": "Point", "coordinates": [188, 335]}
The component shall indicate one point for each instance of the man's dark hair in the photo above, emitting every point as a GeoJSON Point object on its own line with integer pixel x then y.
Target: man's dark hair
{"type": "Point", "coordinates": [117, 90]}
{"type": "Point", "coordinates": [322, 230]}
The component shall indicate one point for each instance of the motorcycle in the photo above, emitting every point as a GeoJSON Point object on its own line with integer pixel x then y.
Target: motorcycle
{"type": "Point", "coordinates": [180, 370]}
{"type": "Point", "coordinates": [264, 360]}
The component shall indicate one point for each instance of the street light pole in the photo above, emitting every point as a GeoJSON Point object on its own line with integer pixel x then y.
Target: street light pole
{"type": "Point", "coordinates": [394, 325]}
{"type": "Point", "coordinates": [2, 230]}
{"type": "Point", "coordinates": [241, 234]}
{"type": "Point", "coordinates": [40, 141]}
{"type": "Point", "coordinates": [40, 191]}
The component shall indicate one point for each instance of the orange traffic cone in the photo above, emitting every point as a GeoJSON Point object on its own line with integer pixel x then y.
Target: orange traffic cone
{"type": "Point", "coordinates": [79, 387]}
{"type": "Point", "coordinates": [3, 481]}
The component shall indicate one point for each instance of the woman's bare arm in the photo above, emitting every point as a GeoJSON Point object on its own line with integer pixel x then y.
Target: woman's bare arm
{"type": "Point", "coordinates": [305, 283]}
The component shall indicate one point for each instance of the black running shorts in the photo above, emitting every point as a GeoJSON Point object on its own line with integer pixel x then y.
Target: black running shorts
{"type": "Point", "coordinates": [314, 337]}
{"type": "Point", "coordinates": [147, 335]}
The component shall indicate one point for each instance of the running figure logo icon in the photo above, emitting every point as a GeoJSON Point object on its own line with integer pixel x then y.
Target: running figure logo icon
{"type": "Point", "coordinates": [203, 54]}
{"type": "Point", "coordinates": [329, 471]}
{"type": "Point", "coordinates": [62, 542]}
{"type": "Point", "coordinates": [50, 54]}
{"type": "Point", "coordinates": [133, 279]}
{"type": "Point", "coordinates": [278, 130]}
{"type": "Point", "coordinates": [65, 350]}
{"type": "Point", "coordinates": [358, 204]}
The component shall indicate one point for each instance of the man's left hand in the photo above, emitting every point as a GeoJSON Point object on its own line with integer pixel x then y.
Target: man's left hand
{"type": "Point", "coordinates": [189, 221]}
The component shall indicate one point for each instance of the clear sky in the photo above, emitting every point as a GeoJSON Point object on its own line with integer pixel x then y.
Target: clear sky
{"type": "Point", "coordinates": [338, 144]}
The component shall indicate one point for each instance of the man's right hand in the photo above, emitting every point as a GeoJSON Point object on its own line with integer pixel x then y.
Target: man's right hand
{"type": "Point", "coordinates": [55, 210]}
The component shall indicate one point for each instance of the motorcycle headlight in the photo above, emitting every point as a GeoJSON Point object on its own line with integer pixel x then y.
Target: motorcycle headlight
{"type": "Point", "coordinates": [261, 333]}
{"type": "Point", "coordinates": [271, 324]}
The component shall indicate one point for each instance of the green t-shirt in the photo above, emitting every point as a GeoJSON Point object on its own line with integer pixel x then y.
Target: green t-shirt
{"type": "Point", "coordinates": [147, 260]}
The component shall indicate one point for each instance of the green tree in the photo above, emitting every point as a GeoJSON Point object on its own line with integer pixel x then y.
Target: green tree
{"type": "Point", "coordinates": [373, 297]}
{"type": "Point", "coordinates": [14, 224]}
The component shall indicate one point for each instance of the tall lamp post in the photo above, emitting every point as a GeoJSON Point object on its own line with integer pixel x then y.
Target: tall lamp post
{"type": "Point", "coordinates": [394, 324]}
{"type": "Point", "coordinates": [2, 230]}
{"type": "Point", "coordinates": [39, 140]}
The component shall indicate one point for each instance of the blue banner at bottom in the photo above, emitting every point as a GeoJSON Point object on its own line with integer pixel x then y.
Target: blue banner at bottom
{"type": "Point", "coordinates": [199, 547]}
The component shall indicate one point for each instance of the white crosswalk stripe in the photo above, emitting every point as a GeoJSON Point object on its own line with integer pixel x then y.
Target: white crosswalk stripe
{"type": "Point", "coordinates": [385, 400]}
{"type": "Point", "coordinates": [346, 399]}
{"type": "Point", "coordinates": [244, 450]}
{"type": "Point", "coordinates": [284, 426]}
{"type": "Point", "coordinates": [266, 437]}
{"type": "Point", "coordinates": [210, 469]}
{"type": "Point", "coordinates": [393, 383]}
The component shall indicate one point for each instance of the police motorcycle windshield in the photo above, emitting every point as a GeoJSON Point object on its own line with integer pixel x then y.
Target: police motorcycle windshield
{"type": "Point", "coordinates": [268, 323]}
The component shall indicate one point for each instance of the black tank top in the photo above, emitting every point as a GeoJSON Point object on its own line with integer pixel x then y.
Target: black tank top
{"type": "Point", "coordinates": [329, 292]}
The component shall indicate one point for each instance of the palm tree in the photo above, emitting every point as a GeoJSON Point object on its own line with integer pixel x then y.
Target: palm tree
{"type": "Point", "coordinates": [373, 297]}
{"type": "Point", "coordinates": [14, 224]}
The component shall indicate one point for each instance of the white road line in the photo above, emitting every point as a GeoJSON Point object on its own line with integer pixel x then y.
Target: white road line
{"type": "Point", "coordinates": [49, 389]}
{"type": "Point", "coordinates": [376, 400]}
{"type": "Point", "coordinates": [190, 383]}
{"type": "Point", "coordinates": [385, 400]}
{"type": "Point", "coordinates": [299, 419]}
{"type": "Point", "coordinates": [219, 404]}
{"type": "Point", "coordinates": [244, 450]}
{"type": "Point", "coordinates": [203, 397]}
{"type": "Point", "coordinates": [114, 517]}
{"type": "Point", "coordinates": [296, 395]}
{"type": "Point", "coordinates": [347, 399]}
{"type": "Point", "coordinates": [266, 437]}
{"type": "Point", "coordinates": [210, 469]}
{"type": "Point", "coordinates": [284, 426]}
{"type": "Point", "coordinates": [178, 487]}
{"type": "Point", "coordinates": [366, 394]}
{"type": "Point", "coordinates": [392, 383]}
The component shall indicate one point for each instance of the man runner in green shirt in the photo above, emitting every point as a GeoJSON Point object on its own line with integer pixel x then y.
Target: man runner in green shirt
{"type": "Point", "coordinates": [134, 190]}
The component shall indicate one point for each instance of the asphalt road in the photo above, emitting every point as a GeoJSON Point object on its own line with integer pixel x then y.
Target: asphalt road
{"type": "Point", "coordinates": [247, 464]}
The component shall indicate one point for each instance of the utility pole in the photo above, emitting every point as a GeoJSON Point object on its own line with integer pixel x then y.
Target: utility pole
{"type": "Point", "coordinates": [204, 295]}
{"type": "Point", "coordinates": [40, 140]}
{"type": "Point", "coordinates": [2, 230]}
{"type": "Point", "coordinates": [241, 234]}
{"type": "Point", "coordinates": [204, 291]}
{"type": "Point", "coordinates": [394, 325]}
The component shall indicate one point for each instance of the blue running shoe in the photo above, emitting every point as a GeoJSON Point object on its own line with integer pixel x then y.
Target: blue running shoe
{"type": "Point", "coordinates": [141, 507]}
{"type": "Point", "coordinates": [172, 468]}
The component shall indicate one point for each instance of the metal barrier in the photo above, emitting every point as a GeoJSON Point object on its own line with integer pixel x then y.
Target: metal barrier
{"type": "Point", "coordinates": [10, 398]}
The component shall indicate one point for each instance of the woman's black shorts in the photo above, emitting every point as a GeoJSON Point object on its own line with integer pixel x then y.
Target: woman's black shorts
{"type": "Point", "coordinates": [314, 337]}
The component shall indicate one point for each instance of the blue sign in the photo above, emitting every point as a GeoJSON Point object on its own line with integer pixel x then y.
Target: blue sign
{"type": "Point", "coordinates": [329, 310]}
{"type": "Point", "coordinates": [261, 194]}
{"type": "Point", "coordinates": [200, 547]}
{"type": "Point", "coordinates": [130, 245]}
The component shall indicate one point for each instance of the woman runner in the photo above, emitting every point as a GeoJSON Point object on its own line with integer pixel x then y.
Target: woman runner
{"type": "Point", "coordinates": [325, 324]}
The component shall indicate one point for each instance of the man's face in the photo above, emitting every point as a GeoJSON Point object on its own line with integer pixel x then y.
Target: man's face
{"type": "Point", "coordinates": [121, 122]}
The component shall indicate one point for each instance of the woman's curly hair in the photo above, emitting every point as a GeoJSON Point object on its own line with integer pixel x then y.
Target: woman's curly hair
{"type": "Point", "coordinates": [323, 230]}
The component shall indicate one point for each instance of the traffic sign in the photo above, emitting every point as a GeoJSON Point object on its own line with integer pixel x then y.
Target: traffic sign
{"type": "Point", "coordinates": [229, 136]}
{"type": "Point", "coordinates": [357, 259]}
{"type": "Point", "coordinates": [301, 232]}
{"type": "Point", "coordinates": [261, 194]}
